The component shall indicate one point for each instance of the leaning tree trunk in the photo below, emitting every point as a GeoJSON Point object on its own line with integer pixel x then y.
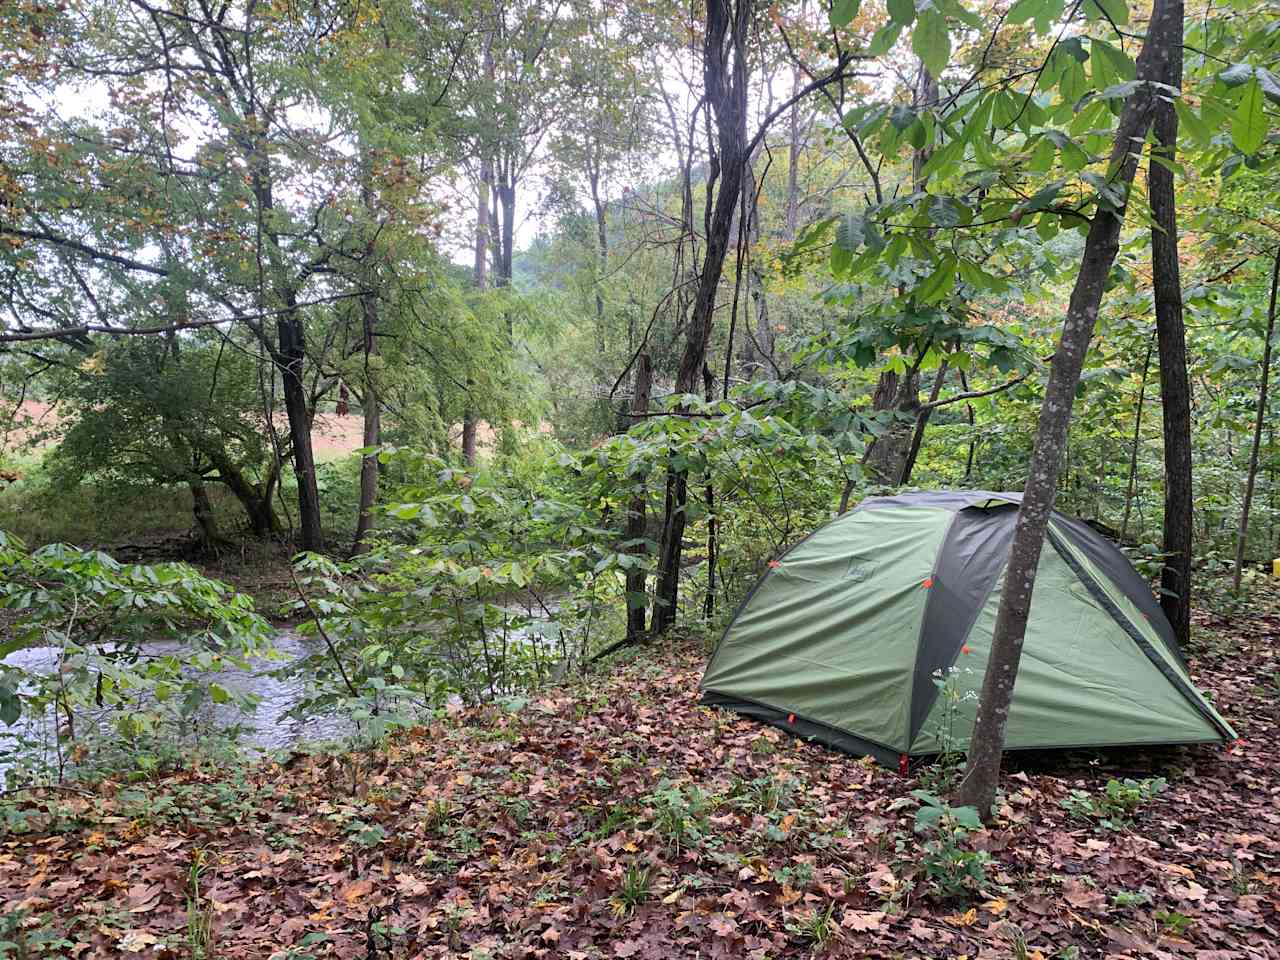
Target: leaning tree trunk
{"type": "Point", "coordinates": [1132, 485]}
{"type": "Point", "coordinates": [1258, 421]}
{"type": "Point", "coordinates": [1175, 386]}
{"type": "Point", "coordinates": [978, 788]}
{"type": "Point", "coordinates": [725, 78]}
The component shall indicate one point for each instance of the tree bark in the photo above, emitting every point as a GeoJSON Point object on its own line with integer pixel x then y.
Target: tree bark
{"type": "Point", "coordinates": [922, 421]}
{"type": "Point", "coordinates": [206, 520]}
{"type": "Point", "coordinates": [725, 76]}
{"type": "Point", "coordinates": [370, 467]}
{"type": "Point", "coordinates": [1258, 421]}
{"type": "Point", "coordinates": [978, 788]}
{"type": "Point", "coordinates": [899, 396]}
{"type": "Point", "coordinates": [371, 436]}
{"type": "Point", "coordinates": [292, 353]}
{"type": "Point", "coordinates": [479, 277]}
{"type": "Point", "coordinates": [255, 500]}
{"type": "Point", "coordinates": [602, 244]}
{"type": "Point", "coordinates": [1137, 439]}
{"type": "Point", "coordinates": [635, 530]}
{"type": "Point", "coordinates": [1175, 387]}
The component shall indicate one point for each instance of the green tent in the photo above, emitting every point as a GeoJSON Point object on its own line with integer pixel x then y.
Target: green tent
{"type": "Point", "coordinates": [847, 639]}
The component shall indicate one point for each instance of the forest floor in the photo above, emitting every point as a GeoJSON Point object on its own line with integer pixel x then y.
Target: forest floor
{"type": "Point", "coordinates": [616, 818]}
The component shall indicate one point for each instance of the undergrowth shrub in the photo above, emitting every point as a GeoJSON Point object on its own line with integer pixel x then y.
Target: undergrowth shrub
{"type": "Point", "coordinates": [1115, 806]}
{"type": "Point", "coordinates": [951, 866]}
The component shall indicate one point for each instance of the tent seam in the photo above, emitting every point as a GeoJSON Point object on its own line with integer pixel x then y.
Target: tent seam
{"type": "Point", "coordinates": [924, 618]}
{"type": "Point", "coordinates": [1134, 634]}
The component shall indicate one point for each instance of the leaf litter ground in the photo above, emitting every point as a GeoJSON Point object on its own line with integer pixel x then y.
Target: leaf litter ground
{"type": "Point", "coordinates": [619, 819]}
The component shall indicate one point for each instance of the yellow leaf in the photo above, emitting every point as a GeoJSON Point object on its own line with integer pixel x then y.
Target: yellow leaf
{"type": "Point", "coordinates": [966, 919]}
{"type": "Point", "coordinates": [996, 907]}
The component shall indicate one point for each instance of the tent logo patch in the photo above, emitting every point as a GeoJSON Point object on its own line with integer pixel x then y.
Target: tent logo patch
{"type": "Point", "coordinates": [859, 569]}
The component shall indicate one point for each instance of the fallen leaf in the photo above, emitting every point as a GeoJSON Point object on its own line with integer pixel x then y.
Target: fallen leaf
{"type": "Point", "coordinates": [1188, 891]}
{"type": "Point", "coordinates": [357, 889]}
{"type": "Point", "coordinates": [853, 920]}
{"type": "Point", "coordinates": [136, 940]}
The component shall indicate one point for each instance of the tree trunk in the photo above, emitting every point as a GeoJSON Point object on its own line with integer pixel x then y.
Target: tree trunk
{"type": "Point", "coordinates": [725, 76]}
{"type": "Point", "coordinates": [1175, 387]}
{"type": "Point", "coordinates": [973, 427]}
{"type": "Point", "coordinates": [978, 788]}
{"type": "Point", "coordinates": [636, 520]}
{"type": "Point", "coordinates": [1258, 421]}
{"type": "Point", "coordinates": [206, 521]}
{"type": "Point", "coordinates": [292, 353]}
{"type": "Point", "coordinates": [256, 502]}
{"type": "Point", "coordinates": [922, 421]}
{"type": "Point", "coordinates": [792, 215]}
{"type": "Point", "coordinates": [1137, 439]}
{"type": "Point", "coordinates": [899, 396]}
{"type": "Point", "coordinates": [479, 277]}
{"type": "Point", "coordinates": [506, 196]}
{"type": "Point", "coordinates": [372, 435]}
{"type": "Point", "coordinates": [889, 457]}
{"type": "Point", "coordinates": [757, 347]}
{"type": "Point", "coordinates": [602, 247]}
{"type": "Point", "coordinates": [370, 466]}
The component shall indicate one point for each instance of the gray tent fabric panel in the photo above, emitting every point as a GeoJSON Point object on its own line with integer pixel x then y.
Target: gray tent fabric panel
{"type": "Point", "coordinates": [940, 500]}
{"type": "Point", "coordinates": [969, 564]}
{"type": "Point", "coordinates": [1116, 567]}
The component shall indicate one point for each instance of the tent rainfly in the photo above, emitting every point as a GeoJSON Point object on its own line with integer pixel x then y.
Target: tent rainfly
{"type": "Point", "coordinates": [849, 638]}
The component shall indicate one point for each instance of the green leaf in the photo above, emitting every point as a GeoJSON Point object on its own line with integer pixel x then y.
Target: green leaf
{"type": "Point", "coordinates": [1025, 10]}
{"type": "Point", "coordinates": [1120, 62]}
{"type": "Point", "coordinates": [1242, 73]}
{"type": "Point", "coordinates": [1249, 124]}
{"type": "Point", "coordinates": [902, 11]}
{"type": "Point", "coordinates": [1192, 124]}
{"type": "Point", "coordinates": [1113, 11]}
{"type": "Point", "coordinates": [1048, 15]}
{"type": "Point", "coordinates": [946, 212]}
{"type": "Point", "coordinates": [843, 12]}
{"type": "Point", "coordinates": [939, 283]}
{"type": "Point", "coordinates": [1042, 157]}
{"type": "Point", "coordinates": [841, 261]}
{"type": "Point", "coordinates": [931, 42]}
{"type": "Point", "coordinates": [884, 39]}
